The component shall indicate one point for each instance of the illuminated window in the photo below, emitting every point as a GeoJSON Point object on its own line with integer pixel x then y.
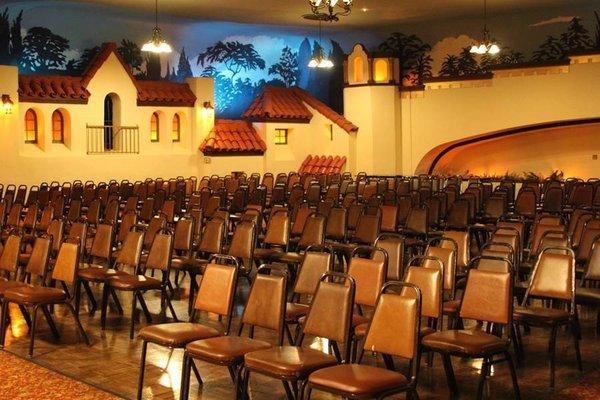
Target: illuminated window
{"type": "Point", "coordinates": [359, 75]}
{"type": "Point", "coordinates": [31, 127]}
{"type": "Point", "coordinates": [281, 136]}
{"type": "Point", "coordinates": [329, 131]}
{"type": "Point", "coordinates": [176, 134]}
{"type": "Point", "coordinates": [154, 128]}
{"type": "Point", "coordinates": [381, 71]}
{"type": "Point", "coordinates": [58, 127]}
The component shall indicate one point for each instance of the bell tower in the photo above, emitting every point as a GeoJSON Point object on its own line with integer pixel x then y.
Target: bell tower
{"type": "Point", "coordinates": [372, 101]}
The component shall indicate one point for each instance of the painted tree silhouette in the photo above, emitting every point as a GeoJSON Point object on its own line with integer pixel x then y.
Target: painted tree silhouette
{"type": "Point", "coordinates": [597, 33]}
{"type": "Point", "coordinates": [449, 66]}
{"type": "Point", "coordinates": [153, 67]}
{"type": "Point", "coordinates": [408, 48]}
{"type": "Point", "coordinates": [43, 50]}
{"type": "Point", "coordinates": [421, 69]}
{"type": "Point", "coordinates": [467, 64]}
{"type": "Point", "coordinates": [551, 49]}
{"type": "Point", "coordinates": [235, 56]}
{"type": "Point", "coordinates": [184, 69]}
{"type": "Point", "coordinates": [511, 57]}
{"type": "Point", "coordinates": [286, 67]}
{"type": "Point", "coordinates": [576, 37]}
{"type": "Point", "coordinates": [131, 54]}
{"type": "Point", "coordinates": [4, 37]}
{"type": "Point", "coordinates": [16, 41]}
{"type": "Point", "coordinates": [11, 43]}
{"type": "Point", "coordinates": [209, 72]}
{"type": "Point", "coordinates": [78, 66]}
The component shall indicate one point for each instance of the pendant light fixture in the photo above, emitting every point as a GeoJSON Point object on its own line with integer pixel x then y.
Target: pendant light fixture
{"type": "Point", "coordinates": [319, 60]}
{"type": "Point", "coordinates": [329, 10]}
{"type": "Point", "coordinates": [487, 45]}
{"type": "Point", "coordinates": [157, 44]}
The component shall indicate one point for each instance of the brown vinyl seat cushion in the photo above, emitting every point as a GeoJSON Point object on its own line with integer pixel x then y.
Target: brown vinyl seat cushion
{"type": "Point", "coordinates": [34, 294]}
{"type": "Point", "coordinates": [265, 253]}
{"type": "Point", "coordinates": [583, 294]}
{"type": "Point", "coordinates": [357, 379]}
{"type": "Point", "coordinates": [540, 315]}
{"type": "Point", "coordinates": [97, 273]}
{"type": "Point", "coordinates": [451, 307]}
{"type": "Point", "coordinates": [287, 258]}
{"type": "Point", "coordinates": [289, 361]}
{"type": "Point", "coordinates": [176, 334]}
{"type": "Point", "coordinates": [465, 342]}
{"type": "Point", "coordinates": [225, 350]}
{"type": "Point", "coordinates": [196, 265]}
{"type": "Point", "coordinates": [6, 285]}
{"type": "Point", "coordinates": [293, 311]}
{"type": "Point", "coordinates": [361, 330]}
{"type": "Point", "coordinates": [134, 282]}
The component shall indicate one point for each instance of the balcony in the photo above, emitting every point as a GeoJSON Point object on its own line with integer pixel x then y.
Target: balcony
{"type": "Point", "coordinates": [106, 139]}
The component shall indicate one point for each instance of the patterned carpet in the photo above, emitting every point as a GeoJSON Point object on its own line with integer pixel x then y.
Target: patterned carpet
{"type": "Point", "coordinates": [21, 379]}
{"type": "Point", "coordinates": [587, 389]}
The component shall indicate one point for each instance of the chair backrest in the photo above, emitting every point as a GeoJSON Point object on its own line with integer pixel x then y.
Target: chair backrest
{"type": "Point", "coordinates": [67, 262]}
{"type": "Point", "coordinates": [128, 221]}
{"type": "Point", "coordinates": [389, 218]}
{"type": "Point", "coordinates": [369, 275]}
{"type": "Point", "coordinates": [156, 224]}
{"type": "Point", "coordinates": [313, 233]}
{"type": "Point", "coordinates": [330, 313]}
{"type": "Point", "coordinates": [132, 249]}
{"type": "Point", "coordinates": [448, 258]}
{"type": "Point", "coordinates": [9, 259]}
{"type": "Point", "coordinates": [588, 236]}
{"type": "Point", "coordinates": [367, 229]}
{"type": "Point", "coordinates": [393, 245]}
{"type": "Point", "coordinates": [40, 254]}
{"type": "Point", "coordinates": [161, 252]}
{"type": "Point", "coordinates": [463, 242]}
{"type": "Point", "coordinates": [430, 281]}
{"type": "Point", "coordinates": [418, 220]}
{"type": "Point", "coordinates": [336, 228]}
{"type": "Point", "coordinates": [592, 270]}
{"type": "Point", "coordinates": [184, 229]}
{"type": "Point", "coordinates": [397, 315]}
{"type": "Point", "coordinates": [243, 240]}
{"type": "Point", "coordinates": [111, 213]}
{"type": "Point", "coordinates": [212, 238]}
{"type": "Point", "coordinates": [102, 243]}
{"type": "Point", "coordinates": [278, 230]}
{"type": "Point", "coordinates": [266, 303]}
{"type": "Point", "coordinates": [526, 202]}
{"type": "Point", "coordinates": [488, 297]}
{"type": "Point", "coordinates": [492, 263]}
{"type": "Point", "coordinates": [459, 215]}
{"type": "Point", "coordinates": [315, 264]}
{"type": "Point", "coordinates": [79, 230]}
{"type": "Point", "coordinates": [45, 219]}
{"type": "Point", "coordinates": [553, 276]}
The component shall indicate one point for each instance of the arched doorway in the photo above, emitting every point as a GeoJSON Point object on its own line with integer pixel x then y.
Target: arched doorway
{"type": "Point", "coordinates": [111, 119]}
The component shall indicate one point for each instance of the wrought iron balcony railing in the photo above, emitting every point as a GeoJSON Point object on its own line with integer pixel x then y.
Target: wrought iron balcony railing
{"type": "Point", "coordinates": [107, 139]}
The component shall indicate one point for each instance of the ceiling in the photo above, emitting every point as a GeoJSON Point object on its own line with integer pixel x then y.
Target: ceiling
{"type": "Point", "coordinates": [366, 13]}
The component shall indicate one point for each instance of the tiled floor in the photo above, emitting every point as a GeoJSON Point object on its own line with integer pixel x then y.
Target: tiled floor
{"type": "Point", "coordinates": [111, 363]}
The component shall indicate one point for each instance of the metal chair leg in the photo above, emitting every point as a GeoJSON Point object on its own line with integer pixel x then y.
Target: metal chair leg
{"type": "Point", "coordinates": [32, 333]}
{"type": "Point", "coordinates": [142, 367]}
{"type": "Point", "coordinates": [82, 331]}
{"type": "Point", "coordinates": [513, 375]}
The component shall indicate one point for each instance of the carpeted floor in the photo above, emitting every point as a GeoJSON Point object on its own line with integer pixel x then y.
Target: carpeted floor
{"type": "Point", "coordinates": [587, 389]}
{"type": "Point", "coordinates": [22, 379]}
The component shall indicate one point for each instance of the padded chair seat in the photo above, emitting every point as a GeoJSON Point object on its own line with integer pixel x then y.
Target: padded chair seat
{"type": "Point", "coordinates": [134, 282]}
{"type": "Point", "coordinates": [6, 285]}
{"type": "Point", "coordinates": [451, 307]}
{"type": "Point", "coordinates": [262, 254]}
{"type": "Point", "coordinates": [288, 361]}
{"type": "Point", "coordinates": [196, 265]}
{"type": "Point", "coordinates": [225, 350]}
{"type": "Point", "coordinates": [343, 247]}
{"type": "Point", "coordinates": [24, 258]}
{"type": "Point", "coordinates": [180, 262]}
{"type": "Point", "coordinates": [361, 330]}
{"type": "Point", "coordinates": [287, 258]}
{"type": "Point", "coordinates": [34, 294]}
{"type": "Point", "coordinates": [465, 342]}
{"type": "Point", "coordinates": [540, 315]}
{"type": "Point", "coordinates": [359, 320]}
{"type": "Point", "coordinates": [176, 334]}
{"type": "Point", "coordinates": [293, 311]}
{"type": "Point", "coordinates": [583, 294]}
{"type": "Point", "coordinates": [94, 273]}
{"type": "Point", "coordinates": [358, 380]}
{"type": "Point", "coordinates": [521, 286]}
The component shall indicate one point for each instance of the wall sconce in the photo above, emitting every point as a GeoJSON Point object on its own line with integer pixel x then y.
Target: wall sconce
{"type": "Point", "coordinates": [207, 109]}
{"type": "Point", "coordinates": [7, 104]}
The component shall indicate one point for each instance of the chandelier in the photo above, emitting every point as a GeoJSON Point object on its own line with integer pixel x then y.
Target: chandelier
{"type": "Point", "coordinates": [157, 44]}
{"type": "Point", "coordinates": [486, 45]}
{"type": "Point", "coordinates": [329, 10]}
{"type": "Point", "coordinates": [319, 60]}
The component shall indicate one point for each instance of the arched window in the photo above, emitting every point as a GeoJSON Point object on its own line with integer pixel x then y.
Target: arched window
{"type": "Point", "coordinates": [176, 134]}
{"type": "Point", "coordinates": [359, 75]}
{"type": "Point", "coordinates": [154, 128]}
{"type": "Point", "coordinates": [31, 126]}
{"type": "Point", "coordinates": [58, 127]}
{"type": "Point", "coordinates": [381, 71]}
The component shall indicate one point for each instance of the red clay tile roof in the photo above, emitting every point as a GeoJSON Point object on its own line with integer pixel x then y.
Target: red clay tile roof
{"type": "Point", "coordinates": [70, 89]}
{"type": "Point", "coordinates": [233, 137]}
{"type": "Point", "coordinates": [322, 165]}
{"type": "Point", "coordinates": [52, 89]}
{"type": "Point", "coordinates": [289, 104]}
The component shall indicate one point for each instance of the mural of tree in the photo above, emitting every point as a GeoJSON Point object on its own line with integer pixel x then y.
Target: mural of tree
{"type": "Point", "coordinates": [467, 64]}
{"type": "Point", "coordinates": [576, 37]}
{"type": "Point", "coordinates": [78, 66]}
{"type": "Point", "coordinates": [11, 44]}
{"type": "Point", "coordinates": [235, 56]}
{"type": "Point", "coordinates": [408, 48]}
{"type": "Point", "coordinates": [449, 66]}
{"type": "Point", "coordinates": [4, 37]}
{"type": "Point", "coordinates": [304, 55]}
{"type": "Point", "coordinates": [287, 67]}
{"type": "Point", "coordinates": [336, 77]}
{"type": "Point", "coordinates": [16, 41]}
{"type": "Point", "coordinates": [131, 54]}
{"type": "Point", "coordinates": [43, 50]}
{"type": "Point", "coordinates": [153, 67]}
{"type": "Point", "coordinates": [597, 34]}
{"type": "Point", "coordinates": [421, 69]}
{"type": "Point", "coordinates": [184, 69]}
{"type": "Point", "coordinates": [510, 57]}
{"type": "Point", "coordinates": [551, 49]}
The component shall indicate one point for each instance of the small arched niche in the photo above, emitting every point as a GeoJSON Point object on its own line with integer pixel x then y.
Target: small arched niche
{"type": "Point", "coordinates": [358, 66]}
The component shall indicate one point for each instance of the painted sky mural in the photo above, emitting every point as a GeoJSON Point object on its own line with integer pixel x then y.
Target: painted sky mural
{"type": "Point", "coordinates": [49, 37]}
